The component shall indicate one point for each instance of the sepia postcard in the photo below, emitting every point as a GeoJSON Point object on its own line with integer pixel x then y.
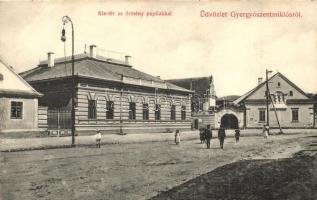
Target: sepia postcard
{"type": "Point", "coordinates": [158, 100]}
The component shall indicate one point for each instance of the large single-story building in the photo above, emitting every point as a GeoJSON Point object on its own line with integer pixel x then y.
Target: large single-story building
{"type": "Point", "coordinates": [18, 102]}
{"type": "Point", "coordinates": [110, 95]}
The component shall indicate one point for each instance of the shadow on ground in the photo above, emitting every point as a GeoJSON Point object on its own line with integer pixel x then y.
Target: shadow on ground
{"type": "Point", "coordinates": [290, 178]}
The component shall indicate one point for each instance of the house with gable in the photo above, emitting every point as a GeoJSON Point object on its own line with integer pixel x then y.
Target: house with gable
{"type": "Point", "coordinates": [18, 102]}
{"type": "Point", "coordinates": [292, 106]}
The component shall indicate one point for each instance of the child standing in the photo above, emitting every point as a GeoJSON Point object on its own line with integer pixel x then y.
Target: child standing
{"type": "Point", "coordinates": [177, 137]}
{"type": "Point", "coordinates": [98, 138]}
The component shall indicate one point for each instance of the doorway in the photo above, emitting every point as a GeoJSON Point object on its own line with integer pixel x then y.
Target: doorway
{"type": "Point", "coordinates": [229, 121]}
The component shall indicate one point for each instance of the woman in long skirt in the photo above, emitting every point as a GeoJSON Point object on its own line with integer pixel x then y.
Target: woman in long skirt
{"type": "Point", "coordinates": [265, 132]}
{"type": "Point", "coordinates": [177, 137]}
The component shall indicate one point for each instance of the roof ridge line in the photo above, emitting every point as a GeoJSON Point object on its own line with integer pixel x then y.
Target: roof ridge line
{"type": "Point", "coordinates": [20, 78]}
{"type": "Point", "coordinates": [188, 78]}
{"type": "Point", "coordinates": [247, 94]}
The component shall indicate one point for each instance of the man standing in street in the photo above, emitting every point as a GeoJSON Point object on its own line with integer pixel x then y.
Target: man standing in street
{"type": "Point", "coordinates": [208, 135]}
{"type": "Point", "coordinates": [237, 135]}
{"type": "Point", "coordinates": [221, 136]}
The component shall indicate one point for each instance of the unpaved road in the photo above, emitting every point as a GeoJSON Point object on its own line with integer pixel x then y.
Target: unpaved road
{"type": "Point", "coordinates": [132, 171]}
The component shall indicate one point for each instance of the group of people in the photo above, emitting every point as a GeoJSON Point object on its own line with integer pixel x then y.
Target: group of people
{"type": "Point", "coordinates": [206, 135]}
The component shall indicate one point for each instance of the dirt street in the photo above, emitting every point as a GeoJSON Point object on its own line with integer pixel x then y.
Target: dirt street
{"type": "Point", "coordinates": [136, 171]}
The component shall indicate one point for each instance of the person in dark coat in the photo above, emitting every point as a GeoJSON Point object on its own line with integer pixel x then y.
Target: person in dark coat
{"type": "Point", "coordinates": [208, 136]}
{"type": "Point", "coordinates": [177, 137]}
{"type": "Point", "coordinates": [221, 136]}
{"type": "Point", "coordinates": [237, 135]}
{"type": "Point", "coordinates": [202, 135]}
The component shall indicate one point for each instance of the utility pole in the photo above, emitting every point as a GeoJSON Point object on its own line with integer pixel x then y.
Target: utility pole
{"type": "Point", "coordinates": [267, 93]}
{"type": "Point", "coordinates": [278, 122]}
{"type": "Point", "coordinates": [121, 94]}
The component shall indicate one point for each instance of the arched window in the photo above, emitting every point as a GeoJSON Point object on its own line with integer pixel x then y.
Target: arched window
{"type": "Point", "coordinates": [109, 109]}
{"type": "Point", "coordinates": [92, 109]}
{"type": "Point", "coordinates": [145, 111]}
{"type": "Point", "coordinates": [183, 113]}
{"type": "Point", "coordinates": [132, 111]}
{"type": "Point", "coordinates": [173, 112]}
{"type": "Point", "coordinates": [157, 112]}
{"type": "Point", "coordinates": [280, 97]}
{"type": "Point", "coordinates": [290, 93]}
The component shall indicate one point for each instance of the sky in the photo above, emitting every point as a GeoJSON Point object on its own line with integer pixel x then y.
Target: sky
{"type": "Point", "coordinates": [234, 51]}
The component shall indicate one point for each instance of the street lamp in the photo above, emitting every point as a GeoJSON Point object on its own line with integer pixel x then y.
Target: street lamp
{"type": "Point", "coordinates": [66, 19]}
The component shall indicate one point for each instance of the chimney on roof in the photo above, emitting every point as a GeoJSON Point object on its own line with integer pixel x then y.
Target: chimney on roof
{"type": "Point", "coordinates": [127, 59]}
{"type": "Point", "coordinates": [260, 79]}
{"type": "Point", "coordinates": [93, 51]}
{"type": "Point", "coordinates": [50, 59]}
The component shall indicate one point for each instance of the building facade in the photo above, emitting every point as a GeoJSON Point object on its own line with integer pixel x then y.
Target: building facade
{"type": "Point", "coordinates": [18, 102]}
{"type": "Point", "coordinates": [228, 114]}
{"type": "Point", "coordinates": [203, 100]}
{"type": "Point", "coordinates": [289, 106]}
{"type": "Point", "coordinates": [110, 95]}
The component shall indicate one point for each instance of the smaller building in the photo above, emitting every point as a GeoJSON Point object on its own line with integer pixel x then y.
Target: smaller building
{"type": "Point", "coordinates": [290, 105]}
{"type": "Point", "coordinates": [203, 101]}
{"type": "Point", "coordinates": [18, 102]}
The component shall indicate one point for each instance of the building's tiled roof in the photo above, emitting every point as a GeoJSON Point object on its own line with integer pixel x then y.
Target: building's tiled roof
{"type": "Point", "coordinates": [176, 87]}
{"type": "Point", "coordinates": [246, 95]}
{"type": "Point", "coordinates": [86, 66]}
{"type": "Point", "coordinates": [199, 84]}
{"type": "Point", "coordinates": [243, 97]}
